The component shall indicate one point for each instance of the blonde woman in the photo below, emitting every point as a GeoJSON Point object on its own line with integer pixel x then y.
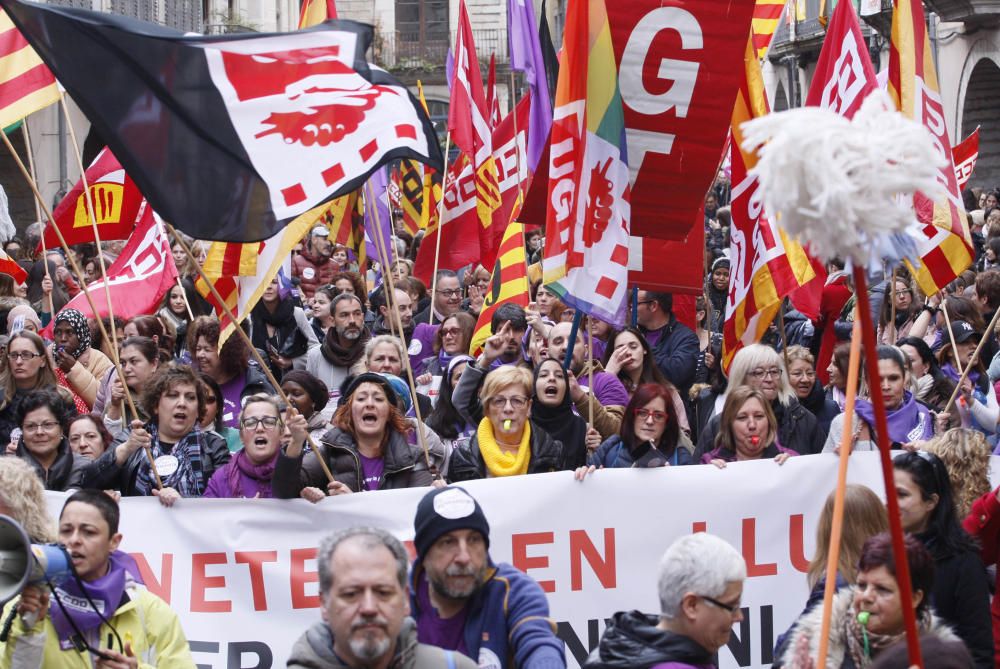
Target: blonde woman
{"type": "Point", "coordinates": [506, 442]}
{"type": "Point", "coordinates": [966, 456]}
{"type": "Point", "coordinates": [22, 497]}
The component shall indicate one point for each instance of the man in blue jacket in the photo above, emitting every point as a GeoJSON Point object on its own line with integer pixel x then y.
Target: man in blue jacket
{"type": "Point", "coordinates": [675, 345]}
{"type": "Point", "coordinates": [462, 601]}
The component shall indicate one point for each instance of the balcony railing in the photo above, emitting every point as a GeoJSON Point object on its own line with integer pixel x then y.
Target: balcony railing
{"type": "Point", "coordinates": [413, 51]}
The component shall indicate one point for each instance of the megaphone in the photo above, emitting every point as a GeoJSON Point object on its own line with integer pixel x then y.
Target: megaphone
{"type": "Point", "coordinates": [23, 563]}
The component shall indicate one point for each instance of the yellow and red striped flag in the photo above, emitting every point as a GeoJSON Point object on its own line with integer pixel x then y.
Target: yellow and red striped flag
{"type": "Point", "coordinates": [766, 265]}
{"type": "Point", "coordinates": [314, 12]}
{"type": "Point", "coordinates": [508, 283]}
{"type": "Point", "coordinates": [766, 14]}
{"type": "Point", "coordinates": [944, 241]}
{"type": "Point", "coordinates": [26, 83]}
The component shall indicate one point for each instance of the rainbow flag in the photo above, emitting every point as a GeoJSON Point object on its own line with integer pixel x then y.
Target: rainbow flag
{"type": "Point", "coordinates": [943, 237]}
{"type": "Point", "coordinates": [586, 248]}
{"type": "Point", "coordinates": [26, 83]}
{"type": "Point", "coordinates": [766, 265]}
{"type": "Point", "coordinates": [509, 283]}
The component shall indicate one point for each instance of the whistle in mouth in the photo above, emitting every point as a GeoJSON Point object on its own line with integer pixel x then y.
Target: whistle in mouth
{"type": "Point", "coordinates": [506, 424]}
{"type": "Point", "coordinates": [755, 440]}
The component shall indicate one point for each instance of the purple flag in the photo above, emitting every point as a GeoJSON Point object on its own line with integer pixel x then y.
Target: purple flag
{"type": "Point", "coordinates": [526, 57]}
{"type": "Point", "coordinates": [376, 194]}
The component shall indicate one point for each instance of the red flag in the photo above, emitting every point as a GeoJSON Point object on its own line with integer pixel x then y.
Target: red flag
{"type": "Point", "coordinates": [492, 99]}
{"type": "Point", "coordinates": [139, 278]}
{"type": "Point", "coordinates": [116, 205]}
{"type": "Point", "coordinates": [460, 241]}
{"type": "Point", "coordinates": [965, 154]}
{"type": "Point", "coordinates": [8, 266]}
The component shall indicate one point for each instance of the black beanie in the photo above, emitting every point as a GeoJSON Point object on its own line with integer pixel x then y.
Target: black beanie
{"type": "Point", "coordinates": [444, 510]}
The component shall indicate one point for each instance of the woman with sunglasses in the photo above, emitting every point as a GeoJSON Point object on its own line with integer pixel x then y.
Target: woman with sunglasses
{"type": "Point", "coordinates": [650, 435]}
{"type": "Point", "coordinates": [507, 442]}
{"type": "Point", "coordinates": [248, 474]}
{"type": "Point", "coordinates": [961, 594]}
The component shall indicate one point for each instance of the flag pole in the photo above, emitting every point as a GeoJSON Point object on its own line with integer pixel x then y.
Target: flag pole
{"type": "Point", "coordinates": [440, 217]}
{"type": "Point", "coordinates": [89, 201]}
{"type": "Point", "coordinates": [393, 312]}
{"type": "Point", "coordinates": [38, 211]}
{"type": "Point", "coordinates": [187, 304]}
{"type": "Point", "coordinates": [517, 149]}
{"type": "Point", "coordinates": [246, 340]}
{"type": "Point", "coordinates": [951, 335]}
{"type": "Point", "coordinates": [836, 530]}
{"type": "Point", "coordinates": [366, 201]}
{"type": "Point", "coordinates": [590, 375]}
{"type": "Point", "coordinates": [891, 498]}
{"type": "Point", "coordinates": [891, 292]}
{"type": "Point", "coordinates": [86, 292]}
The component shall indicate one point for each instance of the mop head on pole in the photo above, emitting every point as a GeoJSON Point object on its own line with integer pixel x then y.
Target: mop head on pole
{"type": "Point", "coordinates": [845, 187]}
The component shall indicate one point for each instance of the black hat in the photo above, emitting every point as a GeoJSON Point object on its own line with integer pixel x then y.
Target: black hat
{"type": "Point", "coordinates": [962, 332]}
{"type": "Point", "coordinates": [444, 510]}
{"type": "Point", "coordinates": [351, 384]}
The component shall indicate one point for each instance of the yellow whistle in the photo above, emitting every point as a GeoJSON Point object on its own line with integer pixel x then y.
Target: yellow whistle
{"type": "Point", "coordinates": [506, 424]}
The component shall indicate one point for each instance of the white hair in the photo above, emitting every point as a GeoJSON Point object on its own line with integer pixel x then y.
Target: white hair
{"type": "Point", "coordinates": [754, 357]}
{"type": "Point", "coordinates": [700, 563]}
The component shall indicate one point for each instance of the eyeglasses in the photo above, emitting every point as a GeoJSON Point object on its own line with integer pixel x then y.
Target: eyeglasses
{"type": "Point", "coordinates": [803, 374]}
{"type": "Point", "coordinates": [517, 401]}
{"type": "Point", "coordinates": [252, 423]}
{"type": "Point", "coordinates": [733, 609]}
{"type": "Point", "coordinates": [644, 302]}
{"type": "Point", "coordinates": [23, 355]}
{"type": "Point", "coordinates": [450, 332]}
{"type": "Point", "coordinates": [646, 414]}
{"type": "Point", "coordinates": [774, 372]}
{"type": "Point", "coordinates": [45, 426]}
{"type": "Point", "coordinates": [454, 292]}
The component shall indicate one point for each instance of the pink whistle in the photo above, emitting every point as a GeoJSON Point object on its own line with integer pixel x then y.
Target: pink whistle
{"type": "Point", "coordinates": [755, 440]}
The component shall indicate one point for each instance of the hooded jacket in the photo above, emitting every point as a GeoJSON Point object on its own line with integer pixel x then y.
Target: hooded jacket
{"type": "Point", "coordinates": [507, 620]}
{"type": "Point", "coordinates": [405, 466]}
{"type": "Point", "coordinates": [633, 641]}
{"type": "Point", "coordinates": [314, 650]}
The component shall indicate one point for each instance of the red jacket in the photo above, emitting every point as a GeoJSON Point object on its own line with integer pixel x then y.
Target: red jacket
{"type": "Point", "coordinates": [312, 272]}
{"type": "Point", "coordinates": [835, 296]}
{"type": "Point", "coordinates": [983, 522]}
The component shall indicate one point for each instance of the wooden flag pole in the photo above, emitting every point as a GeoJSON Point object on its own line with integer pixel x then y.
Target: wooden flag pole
{"type": "Point", "coordinates": [390, 289]}
{"type": "Point", "coordinates": [83, 284]}
{"type": "Point", "coordinates": [187, 304]}
{"type": "Point", "coordinates": [951, 335]}
{"type": "Point", "coordinates": [836, 530]}
{"type": "Point", "coordinates": [88, 200]}
{"type": "Point", "coordinates": [591, 397]}
{"type": "Point", "coordinates": [891, 498]}
{"type": "Point", "coordinates": [892, 305]}
{"type": "Point", "coordinates": [517, 149]}
{"type": "Point", "coordinates": [38, 212]}
{"type": "Point", "coordinates": [246, 340]}
{"type": "Point", "coordinates": [440, 224]}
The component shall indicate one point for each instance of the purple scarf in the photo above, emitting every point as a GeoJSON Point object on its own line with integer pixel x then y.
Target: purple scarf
{"type": "Point", "coordinates": [906, 424]}
{"type": "Point", "coordinates": [953, 374]}
{"type": "Point", "coordinates": [106, 592]}
{"type": "Point", "coordinates": [241, 464]}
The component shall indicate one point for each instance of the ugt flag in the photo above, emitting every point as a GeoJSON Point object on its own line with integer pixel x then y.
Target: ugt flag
{"type": "Point", "coordinates": [231, 137]}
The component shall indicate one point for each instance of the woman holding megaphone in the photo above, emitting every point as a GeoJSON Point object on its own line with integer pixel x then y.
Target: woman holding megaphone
{"type": "Point", "coordinates": [114, 623]}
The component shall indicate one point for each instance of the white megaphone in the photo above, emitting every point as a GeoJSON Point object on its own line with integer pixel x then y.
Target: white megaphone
{"type": "Point", "coordinates": [23, 563]}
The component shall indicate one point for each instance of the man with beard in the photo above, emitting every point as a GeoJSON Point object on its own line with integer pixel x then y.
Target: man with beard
{"type": "Point", "coordinates": [341, 353]}
{"type": "Point", "coordinates": [314, 266]}
{"type": "Point", "coordinates": [700, 586]}
{"type": "Point", "coordinates": [365, 609]}
{"type": "Point", "coordinates": [461, 600]}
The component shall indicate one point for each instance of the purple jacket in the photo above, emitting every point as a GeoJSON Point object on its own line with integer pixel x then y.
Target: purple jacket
{"type": "Point", "coordinates": [233, 481]}
{"type": "Point", "coordinates": [422, 345]}
{"type": "Point", "coordinates": [721, 453]}
{"type": "Point", "coordinates": [608, 390]}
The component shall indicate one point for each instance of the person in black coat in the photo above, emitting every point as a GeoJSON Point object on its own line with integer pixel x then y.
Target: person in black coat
{"type": "Point", "coordinates": [961, 592]}
{"type": "Point", "coordinates": [809, 392]}
{"type": "Point", "coordinates": [675, 345]}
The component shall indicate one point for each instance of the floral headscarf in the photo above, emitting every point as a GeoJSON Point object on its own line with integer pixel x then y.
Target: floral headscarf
{"type": "Point", "coordinates": [81, 329]}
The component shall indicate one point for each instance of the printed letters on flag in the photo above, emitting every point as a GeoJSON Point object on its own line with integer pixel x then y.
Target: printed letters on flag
{"type": "Point", "coordinates": [411, 195]}
{"type": "Point", "coordinates": [677, 80]}
{"type": "Point", "coordinates": [508, 283]}
{"type": "Point", "coordinates": [26, 83]}
{"type": "Point", "coordinates": [587, 230]}
{"type": "Point", "coordinates": [765, 264]}
{"type": "Point", "coordinates": [942, 234]}
{"type": "Point", "coordinates": [139, 278]}
{"type": "Point", "coordinates": [231, 137]}
{"type": "Point", "coordinates": [116, 205]}
{"type": "Point", "coordinates": [965, 155]}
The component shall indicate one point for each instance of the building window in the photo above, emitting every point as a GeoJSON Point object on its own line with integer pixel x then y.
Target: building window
{"type": "Point", "coordinates": [422, 29]}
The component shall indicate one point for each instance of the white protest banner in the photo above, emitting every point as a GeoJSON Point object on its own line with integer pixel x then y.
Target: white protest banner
{"type": "Point", "coordinates": [242, 574]}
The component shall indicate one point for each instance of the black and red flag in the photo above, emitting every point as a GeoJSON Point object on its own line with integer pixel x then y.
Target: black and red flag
{"type": "Point", "coordinates": [231, 137]}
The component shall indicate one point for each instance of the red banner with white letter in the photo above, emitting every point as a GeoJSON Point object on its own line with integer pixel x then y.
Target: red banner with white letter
{"type": "Point", "coordinates": [965, 154]}
{"type": "Point", "coordinates": [678, 84]}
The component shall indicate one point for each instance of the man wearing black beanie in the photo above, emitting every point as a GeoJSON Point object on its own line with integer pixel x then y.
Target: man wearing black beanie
{"type": "Point", "coordinates": [462, 601]}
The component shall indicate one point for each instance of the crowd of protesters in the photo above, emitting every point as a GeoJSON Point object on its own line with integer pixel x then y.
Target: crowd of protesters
{"type": "Point", "coordinates": [536, 397]}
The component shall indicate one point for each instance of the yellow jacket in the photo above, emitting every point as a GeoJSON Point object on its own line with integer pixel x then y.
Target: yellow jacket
{"type": "Point", "coordinates": [145, 621]}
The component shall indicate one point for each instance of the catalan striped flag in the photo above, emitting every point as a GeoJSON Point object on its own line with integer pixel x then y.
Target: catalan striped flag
{"type": "Point", "coordinates": [508, 283]}
{"type": "Point", "coordinates": [314, 12]}
{"type": "Point", "coordinates": [943, 240]}
{"type": "Point", "coordinates": [766, 265]}
{"type": "Point", "coordinates": [26, 83]}
{"type": "Point", "coordinates": [766, 14]}
{"type": "Point", "coordinates": [586, 245]}
{"type": "Point", "coordinates": [411, 195]}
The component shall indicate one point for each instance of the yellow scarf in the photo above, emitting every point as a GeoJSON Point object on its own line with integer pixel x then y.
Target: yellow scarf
{"type": "Point", "coordinates": [498, 461]}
